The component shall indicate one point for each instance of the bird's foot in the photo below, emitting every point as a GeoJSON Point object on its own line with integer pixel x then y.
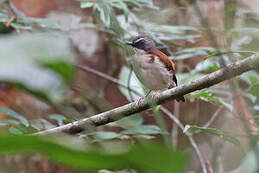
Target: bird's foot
{"type": "Point", "coordinates": [156, 93]}
{"type": "Point", "coordinates": [139, 100]}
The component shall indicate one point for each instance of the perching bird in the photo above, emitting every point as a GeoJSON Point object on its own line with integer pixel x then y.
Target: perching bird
{"type": "Point", "coordinates": [154, 69]}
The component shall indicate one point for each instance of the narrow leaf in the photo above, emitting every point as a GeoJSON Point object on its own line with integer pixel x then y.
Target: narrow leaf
{"type": "Point", "coordinates": [224, 135]}
{"type": "Point", "coordinates": [15, 115]}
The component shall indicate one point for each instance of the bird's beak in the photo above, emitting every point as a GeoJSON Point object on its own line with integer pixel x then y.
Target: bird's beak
{"type": "Point", "coordinates": [129, 43]}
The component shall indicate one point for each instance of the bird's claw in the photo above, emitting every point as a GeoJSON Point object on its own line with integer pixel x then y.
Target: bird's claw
{"type": "Point", "coordinates": [140, 99]}
{"type": "Point", "coordinates": [154, 94]}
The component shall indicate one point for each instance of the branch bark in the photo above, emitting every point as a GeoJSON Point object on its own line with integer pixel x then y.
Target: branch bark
{"type": "Point", "coordinates": [211, 79]}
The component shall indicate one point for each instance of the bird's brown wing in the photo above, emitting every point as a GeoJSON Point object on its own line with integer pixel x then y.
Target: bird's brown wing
{"type": "Point", "coordinates": [170, 65]}
{"type": "Point", "coordinates": [165, 59]}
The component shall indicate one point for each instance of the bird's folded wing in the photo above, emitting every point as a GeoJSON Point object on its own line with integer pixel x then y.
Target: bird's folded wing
{"type": "Point", "coordinates": [165, 59]}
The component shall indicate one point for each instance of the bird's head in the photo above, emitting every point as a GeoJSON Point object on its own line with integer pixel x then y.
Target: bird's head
{"type": "Point", "coordinates": [142, 42]}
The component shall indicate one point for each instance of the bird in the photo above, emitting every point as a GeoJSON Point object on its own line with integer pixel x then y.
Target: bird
{"type": "Point", "coordinates": [154, 69]}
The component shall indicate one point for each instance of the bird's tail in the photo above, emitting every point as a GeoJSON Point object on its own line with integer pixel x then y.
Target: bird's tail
{"type": "Point", "coordinates": [181, 98]}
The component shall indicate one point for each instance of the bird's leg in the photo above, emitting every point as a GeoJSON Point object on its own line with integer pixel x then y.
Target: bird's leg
{"type": "Point", "coordinates": [148, 93]}
{"type": "Point", "coordinates": [155, 94]}
{"type": "Point", "coordinates": [142, 98]}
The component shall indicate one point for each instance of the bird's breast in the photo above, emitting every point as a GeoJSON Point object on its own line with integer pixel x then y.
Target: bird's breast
{"type": "Point", "coordinates": [151, 71]}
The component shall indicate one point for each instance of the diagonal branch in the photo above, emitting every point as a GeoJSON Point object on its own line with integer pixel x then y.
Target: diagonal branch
{"type": "Point", "coordinates": [211, 79]}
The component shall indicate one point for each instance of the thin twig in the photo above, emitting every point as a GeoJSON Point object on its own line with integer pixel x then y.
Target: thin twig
{"type": "Point", "coordinates": [198, 152]}
{"type": "Point", "coordinates": [102, 75]}
{"type": "Point", "coordinates": [208, 80]}
{"type": "Point", "coordinates": [212, 119]}
{"type": "Point", "coordinates": [175, 130]}
{"type": "Point", "coordinates": [128, 85]}
{"type": "Point", "coordinates": [214, 116]}
{"type": "Point", "coordinates": [189, 135]}
{"type": "Point", "coordinates": [172, 117]}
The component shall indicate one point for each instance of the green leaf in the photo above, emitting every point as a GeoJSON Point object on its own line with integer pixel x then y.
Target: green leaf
{"type": "Point", "coordinates": [224, 135]}
{"type": "Point", "coordinates": [4, 17]}
{"type": "Point", "coordinates": [19, 26]}
{"type": "Point", "coordinates": [86, 4]}
{"type": "Point", "coordinates": [192, 52]}
{"type": "Point", "coordinates": [103, 135]}
{"type": "Point", "coordinates": [142, 3]}
{"type": "Point", "coordinates": [108, 17]}
{"type": "Point", "coordinates": [255, 90]}
{"type": "Point", "coordinates": [104, 11]}
{"type": "Point", "coordinates": [249, 96]}
{"type": "Point", "coordinates": [144, 136]}
{"type": "Point", "coordinates": [15, 115]}
{"type": "Point", "coordinates": [144, 129]}
{"type": "Point", "coordinates": [41, 124]}
{"type": "Point", "coordinates": [15, 131]}
{"type": "Point", "coordinates": [207, 65]}
{"type": "Point", "coordinates": [24, 129]}
{"type": "Point", "coordinates": [134, 83]}
{"type": "Point", "coordinates": [205, 95]}
{"type": "Point", "coordinates": [6, 122]}
{"type": "Point", "coordinates": [128, 122]}
{"type": "Point", "coordinates": [59, 118]}
{"type": "Point", "coordinates": [37, 125]}
{"type": "Point", "coordinates": [209, 96]}
{"type": "Point", "coordinates": [250, 77]}
{"type": "Point", "coordinates": [4, 29]}
{"type": "Point", "coordinates": [173, 38]}
{"type": "Point", "coordinates": [115, 25]}
{"type": "Point", "coordinates": [170, 30]}
{"type": "Point", "coordinates": [65, 69]}
{"type": "Point", "coordinates": [122, 6]}
{"type": "Point", "coordinates": [40, 63]}
{"type": "Point", "coordinates": [146, 157]}
{"type": "Point", "coordinates": [201, 50]}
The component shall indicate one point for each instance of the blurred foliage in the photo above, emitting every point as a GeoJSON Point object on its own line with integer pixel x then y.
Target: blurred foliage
{"type": "Point", "coordinates": [133, 127]}
{"type": "Point", "coordinates": [20, 125]}
{"type": "Point", "coordinates": [145, 156]}
{"type": "Point", "coordinates": [41, 63]}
